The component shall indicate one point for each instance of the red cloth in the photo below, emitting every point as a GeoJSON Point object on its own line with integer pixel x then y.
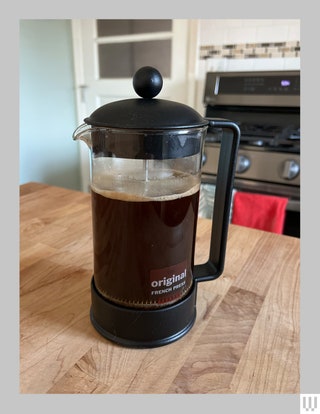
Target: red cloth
{"type": "Point", "coordinates": [259, 211]}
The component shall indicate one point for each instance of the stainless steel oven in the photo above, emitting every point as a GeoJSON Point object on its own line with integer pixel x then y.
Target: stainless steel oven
{"type": "Point", "coordinates": [266, 106]}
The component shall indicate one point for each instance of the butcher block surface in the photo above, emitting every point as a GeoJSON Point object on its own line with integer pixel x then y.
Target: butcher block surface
{"type": "Point", "coordinates": [245, 338]}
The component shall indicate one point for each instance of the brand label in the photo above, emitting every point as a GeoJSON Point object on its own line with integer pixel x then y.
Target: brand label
{"type": "Point", "coordinates": [168, 280]}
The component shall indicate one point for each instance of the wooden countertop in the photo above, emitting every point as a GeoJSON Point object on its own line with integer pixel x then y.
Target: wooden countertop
{"type": "Point", "coordinates": [245, 338]}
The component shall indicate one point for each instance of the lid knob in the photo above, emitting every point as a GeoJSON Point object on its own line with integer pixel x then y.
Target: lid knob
{"type": "Point", "coordinates": [147, 82]}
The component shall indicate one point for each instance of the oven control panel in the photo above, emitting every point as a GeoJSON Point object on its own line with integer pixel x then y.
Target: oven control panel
{"type": "Point", "coordinates": [257, 165]}
{"type": "Point", "coordinates": [259, 88]}
{"type": "Point", "coordinates": [285, 84]}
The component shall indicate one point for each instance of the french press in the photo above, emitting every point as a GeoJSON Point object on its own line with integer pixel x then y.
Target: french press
{"type": "Point", "coordinates": [146, 158]}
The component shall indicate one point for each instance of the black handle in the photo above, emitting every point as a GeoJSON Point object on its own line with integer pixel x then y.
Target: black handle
{"type": "Point", "coordinates": [222, 202]}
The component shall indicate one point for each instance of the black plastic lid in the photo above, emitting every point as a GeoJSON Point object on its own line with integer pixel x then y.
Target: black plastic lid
{"type": "Point", "coordinates": [146, 113]}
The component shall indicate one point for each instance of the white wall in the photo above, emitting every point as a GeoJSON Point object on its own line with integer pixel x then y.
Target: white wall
{"type": "Point", "coordinates": [226, 31]}
{"type": "Point", "coordinates": [249, 35]}
{"type": "Point", "coordinates": [47, 104]}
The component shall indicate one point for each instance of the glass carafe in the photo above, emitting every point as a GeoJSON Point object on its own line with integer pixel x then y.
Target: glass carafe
{"type": "Point", "coordinates": [146, 157]}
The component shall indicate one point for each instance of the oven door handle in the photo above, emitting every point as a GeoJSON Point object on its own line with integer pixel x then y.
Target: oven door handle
{"type": "Point", "coordinates": [222, 202]}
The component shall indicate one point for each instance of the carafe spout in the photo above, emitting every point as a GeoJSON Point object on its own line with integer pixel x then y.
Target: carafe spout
{"type": "Point", "coordinates": [83, 133]}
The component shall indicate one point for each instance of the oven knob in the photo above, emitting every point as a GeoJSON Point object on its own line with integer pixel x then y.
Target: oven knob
{"type": "Point", "coordinates": [243, 163]}
{"type": "Point", "coordinates": [291, 169]}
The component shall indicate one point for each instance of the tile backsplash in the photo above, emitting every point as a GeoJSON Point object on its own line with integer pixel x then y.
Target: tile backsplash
{"type": "Point", "coordinates": [245, 45]}
{"type": "Point", "coordinates": [251, 50]}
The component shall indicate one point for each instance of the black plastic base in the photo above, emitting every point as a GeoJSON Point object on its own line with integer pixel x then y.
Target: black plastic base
{"type": "Point", "coordinates": [142, 328]}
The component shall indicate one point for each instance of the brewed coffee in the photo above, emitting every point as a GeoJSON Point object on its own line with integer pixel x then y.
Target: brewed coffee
{"type": "Point", "coordinates": [144, 246]}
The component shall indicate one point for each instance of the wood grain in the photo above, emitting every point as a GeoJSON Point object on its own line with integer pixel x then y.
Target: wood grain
{"type": "Point", "coordinates": [246, 335]}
